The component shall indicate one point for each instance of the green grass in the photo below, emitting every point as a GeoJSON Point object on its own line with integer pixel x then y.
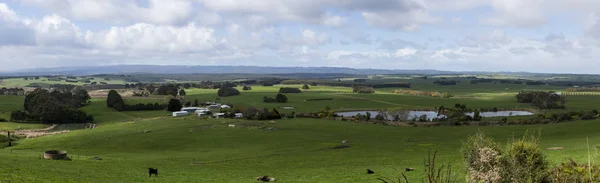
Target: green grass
{"type": "Point", "coordinates": [5, 126]}
{"type": "Point", "coordinates": [300, 150]}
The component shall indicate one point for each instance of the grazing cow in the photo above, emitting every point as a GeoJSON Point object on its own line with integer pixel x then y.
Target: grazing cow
{"type": "Point", "coordinates": [409, 169]}
{"type": "Point", "coordinates": [265, 179]}
{"type": "Point", "coordinates": [369, 171]}
{"type": "Point", "coordinates": [344, 141]}
{"type": "Point", "coordinates": [153, 171]}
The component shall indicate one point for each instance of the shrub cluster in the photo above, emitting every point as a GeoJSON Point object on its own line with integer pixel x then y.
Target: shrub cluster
{"type": "Point", "coordinates": [227, 91]}
{"type": "Point", "coordinates": [519, 161]}
{"type": "Point", "coordinates": [541, 99]}
{"type": "Point", "coordinates": [289, 90]}
{"type": "Point", "coordinates": [423, 93]}
{"type": "Point", "coordinates": [280, 98]}
{"type": "Point", "coordinates": [252, 113]}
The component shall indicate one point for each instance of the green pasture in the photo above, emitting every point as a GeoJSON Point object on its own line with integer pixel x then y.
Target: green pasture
{"type": "Point", "coordinates": [190, 149]}
{"type": "Point", "coordinates": [300, 150]}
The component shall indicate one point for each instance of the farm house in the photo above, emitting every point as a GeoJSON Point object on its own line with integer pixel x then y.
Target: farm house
{"type": "Point", "coordinates": [180, 113]}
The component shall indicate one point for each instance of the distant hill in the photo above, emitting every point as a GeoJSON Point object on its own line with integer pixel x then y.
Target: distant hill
{"type": "Point", "coordinates": [175, 69]}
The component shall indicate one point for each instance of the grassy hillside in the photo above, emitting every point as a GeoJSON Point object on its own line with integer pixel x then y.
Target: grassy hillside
{"type": "Point", "coordinates": [300, 150]}
{"type": "Point", "coordinates": [188, 149]}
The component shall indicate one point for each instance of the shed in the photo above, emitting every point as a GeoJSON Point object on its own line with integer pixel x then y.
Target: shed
{"type": "Point", "coordinates": [225, 107]}
{"type": "Point", "coordinates": [239, 115]}
{"type": "Point", "coordinates": [214, 106]}
{"type": "Point", "coordinates": [180, 113]}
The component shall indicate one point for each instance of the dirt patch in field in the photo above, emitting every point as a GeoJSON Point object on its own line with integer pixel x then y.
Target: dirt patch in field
{"type": "Point", "coordinates": [125, 93]}
{"type": "Point", "coordinates": [38, 132]}
{"type": "Point", "coordinates": [555, 148]}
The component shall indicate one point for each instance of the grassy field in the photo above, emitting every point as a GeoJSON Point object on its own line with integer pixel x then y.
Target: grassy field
{"type": "Point", "coordinates": [189, 149]}
{"type": "Point", "coordinates": [301, 150]}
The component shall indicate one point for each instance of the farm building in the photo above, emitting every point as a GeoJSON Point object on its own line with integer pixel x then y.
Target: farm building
{"type": "Point", "coordinates": [214, 106]}
{"type": "Point", "coordinates": [201, 114]}
{"type": "Point", "coordinates": [239, 115]}
{"type": "Point", "coordinates": [202, 110]}
{"type": "Point", "coordinates": [189, 109]}
{"type": "Point", "coordinates": [218, 115]}
{"type": "Point", "coordinates": [225, 107]}
{"type": "Point", "coordinates": [180, 113]}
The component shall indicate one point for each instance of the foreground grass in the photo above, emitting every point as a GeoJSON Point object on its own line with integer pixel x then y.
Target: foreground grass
{"type": "Point", "coordinates": [301, 150]}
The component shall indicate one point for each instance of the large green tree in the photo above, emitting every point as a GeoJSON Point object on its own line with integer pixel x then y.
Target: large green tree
{"type": "Point", "coordinates": [114, 100]}
{"type": "Point", "coordinates": [174, 105]}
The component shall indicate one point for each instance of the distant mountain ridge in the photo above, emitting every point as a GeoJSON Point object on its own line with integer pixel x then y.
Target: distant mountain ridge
{"type": "Point", "coordinates": [179, 69]}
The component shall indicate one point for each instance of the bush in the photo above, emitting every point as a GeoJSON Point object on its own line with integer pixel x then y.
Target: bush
{"type": "Point", "coordinates": [3, 120]}
{"type": "Point", "coordinates": [268, 99]}
{"type": "Point", "coordinates": [281, 98]}
{"type": "Point", "coordinates": [524, 160]}
{"type": "Point", "coordinates": [289, 90]}
{"type": "Point", "coordinates": [247, 88]}
{"type": "Point", "coordinates": [227, 91]}
{"type": "Point", "coordinates": [482, 158]}
{"type": "Point", "coordinates": [305, 87]}
{"type": "Point", "coordinates": [574, 172]}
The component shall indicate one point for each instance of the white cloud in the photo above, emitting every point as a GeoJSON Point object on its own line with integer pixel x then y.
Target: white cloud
{"type": "Point", "coordinates": [147, 37]}
{"type": "Point", "coordinates": [392, 33]}
{"type": "Point", "coordinates": [334, 21]}
{"type": "Point", "coordinates": [312, 38]}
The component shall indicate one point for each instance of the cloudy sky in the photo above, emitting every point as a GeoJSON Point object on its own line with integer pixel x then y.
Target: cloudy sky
{"type": "Point", "coordinates": [484, 35]}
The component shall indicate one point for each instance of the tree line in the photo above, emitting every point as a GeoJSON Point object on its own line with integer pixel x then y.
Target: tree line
{"type": "Point", "coordinates": [43, 106]}
{"type": "Point", "coordinates": [12, 91]}
{"type": "Point", "coordinates": [541, 99]}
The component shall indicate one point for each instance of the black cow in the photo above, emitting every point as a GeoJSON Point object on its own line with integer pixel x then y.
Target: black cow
{"type": "Point", "coordinates": [153, 171]}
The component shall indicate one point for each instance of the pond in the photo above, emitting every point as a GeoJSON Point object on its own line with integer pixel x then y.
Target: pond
{"type": "Point", "coordinates": [432, 114]}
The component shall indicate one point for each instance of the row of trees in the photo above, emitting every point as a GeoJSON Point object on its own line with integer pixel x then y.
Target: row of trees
{"type": "Point", "coordinates": [443, 82]}
{"type": "Point", "coordinates": [541, 99]}
{"type": "Point", "coordinates": [363, 89]}
{"type": "Point", "coordinates": [54, 107]}
{"type": "Point", "coordinates": [12, 91]}
{"type": "Point", "coordinates": [289, 90]}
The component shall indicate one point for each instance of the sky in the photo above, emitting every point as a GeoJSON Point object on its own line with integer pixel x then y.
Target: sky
{"type": "Point", "coordinates": [556, 36]}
